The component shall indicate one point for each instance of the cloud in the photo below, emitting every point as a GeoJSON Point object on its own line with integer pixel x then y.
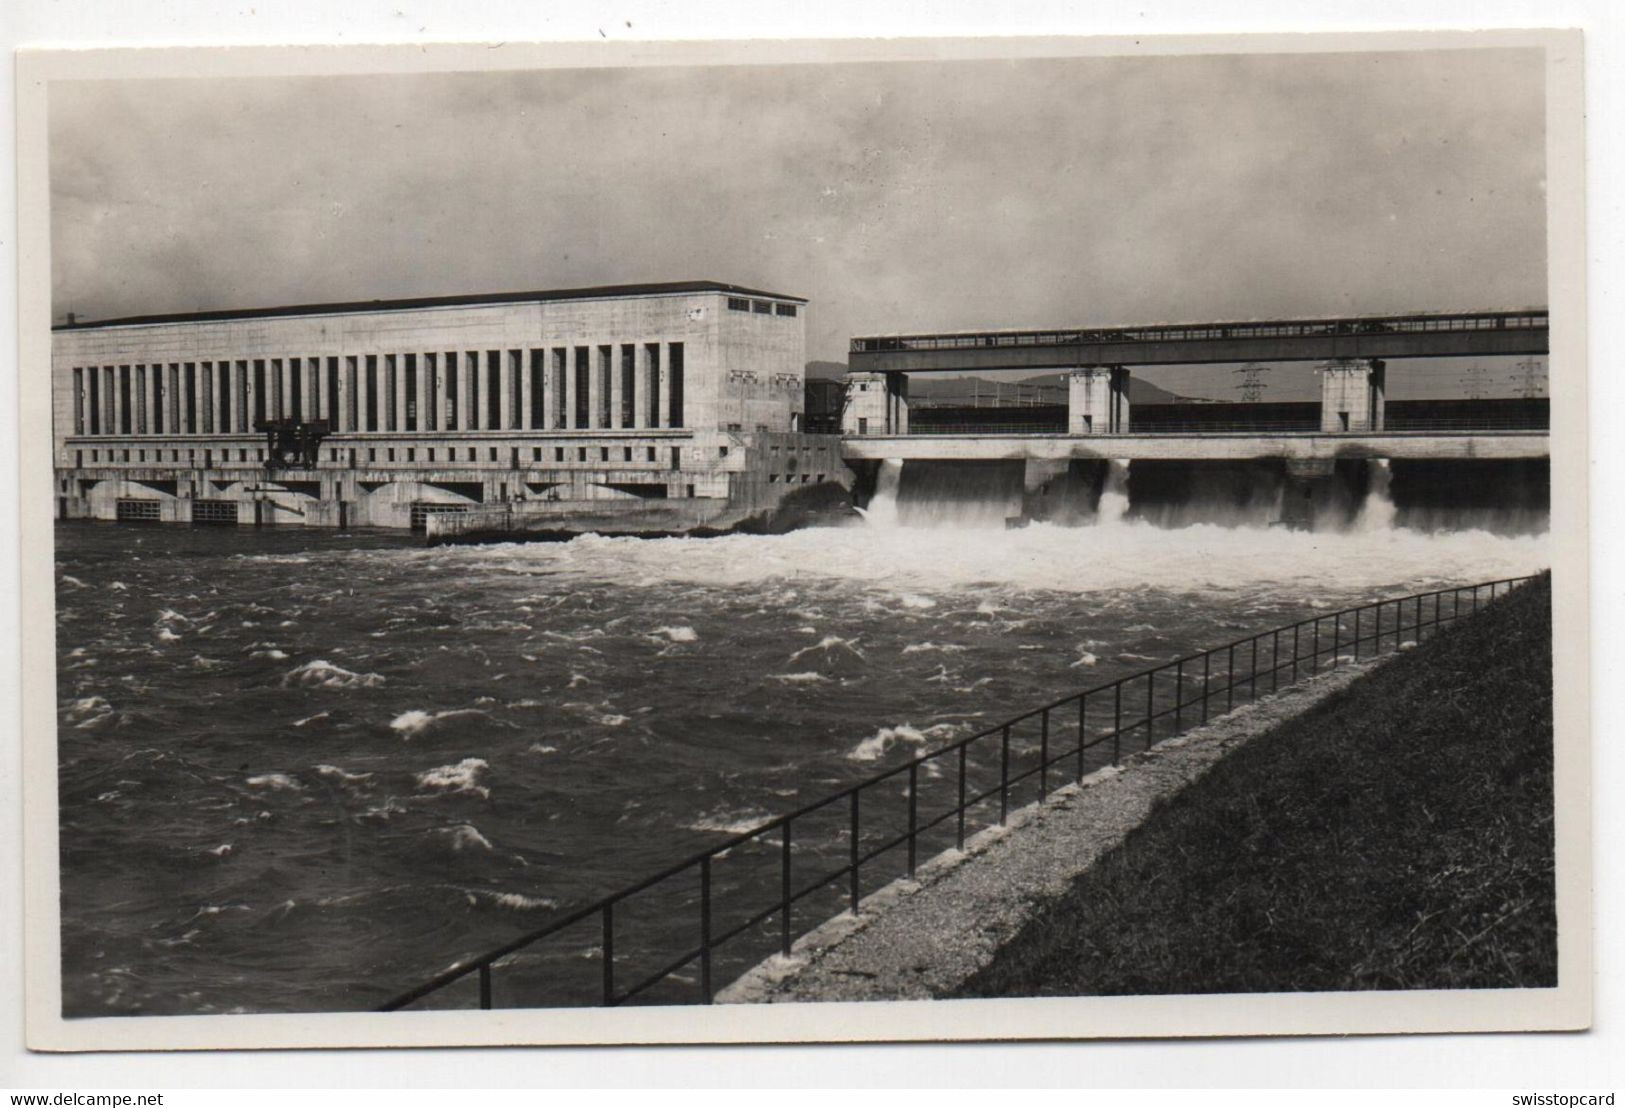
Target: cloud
{"type": "Point", "coordinates": [897, 196]}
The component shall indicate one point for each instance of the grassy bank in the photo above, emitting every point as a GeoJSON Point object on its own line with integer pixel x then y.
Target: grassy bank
{"type": "Point", "coordinates": [1396, 836]}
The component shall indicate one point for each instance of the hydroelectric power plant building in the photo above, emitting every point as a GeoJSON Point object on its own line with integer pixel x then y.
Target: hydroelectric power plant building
{"type": "Point", "coordinates": [653, 406]}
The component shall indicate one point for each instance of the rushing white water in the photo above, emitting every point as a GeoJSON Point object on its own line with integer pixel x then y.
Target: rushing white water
{"type": "Point", "coordinates": [1377, 512]}
{"type": "Point", "coordinates": [882, 509]}
{"type": "Point", "coordinates": [1123, 555]}
{"type": "Point", "coordinates": [1114, 494]}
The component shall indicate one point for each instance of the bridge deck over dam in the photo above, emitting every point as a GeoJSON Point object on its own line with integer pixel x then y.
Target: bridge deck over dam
{"type": "Point", "coordinates": [1429, 335]}
{"type": "Point", "coordinates": [1292, 446]}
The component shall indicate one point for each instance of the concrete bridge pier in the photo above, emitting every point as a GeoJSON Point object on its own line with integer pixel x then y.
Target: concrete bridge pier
{"type": "Point", "coordinates": [876, 404]}
{"type": "Point", "coordinates": [1352, 394]}
{"type": "Point", "coordinates": [1097, 401]}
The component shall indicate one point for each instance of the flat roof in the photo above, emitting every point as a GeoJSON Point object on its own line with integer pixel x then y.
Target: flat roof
{"type": "Point", "coordinates": [598, 292]}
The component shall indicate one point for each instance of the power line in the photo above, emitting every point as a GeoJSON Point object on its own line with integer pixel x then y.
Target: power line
{"type": "Point", "coordinates": [1252, 384]}
{"type": "Point", "coordinates": [1530, 379]}
{"type": "Point", "coordinates": [1475, 381]}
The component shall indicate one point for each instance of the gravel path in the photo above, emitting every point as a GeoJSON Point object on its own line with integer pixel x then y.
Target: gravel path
{"type": "Point", "coordinates": [913, 940]}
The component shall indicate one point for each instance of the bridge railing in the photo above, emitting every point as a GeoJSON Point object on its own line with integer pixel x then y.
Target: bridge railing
{"type": "Point", "coordinates": [867, 834]}
{"type": "Point", "coordinates": [1471, 321]}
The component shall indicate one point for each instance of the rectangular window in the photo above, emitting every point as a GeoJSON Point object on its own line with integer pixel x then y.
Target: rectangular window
{"type": "Point", "coordinates": [629, 385]}
{"type": "Point", "coordinates": [583, 379]}
{"type": "Point", "coordinates": [451, 389]}
{"type": "Point", "coordinates": [224, 399]}
{"type": "Point", "coordinates": [677, 457]}
{"type": "Point", "coordinates": [535, 453]}
{"type": "Point", "coordinates": [189, 396]}
{"type": "Point", "coordinates": [738, 304]}
{"type": "Point", "coordinates": [675, 387]}
{"type": "Point", "coordinates": [581, 453]}
{"type": "Point", "coordinates": [513, 410]}
{"type": "Point", "coordinates": [95, 400]}
{"type": "Point", "coordinates": [603, 453]}
{"type": "Point", "coordinates": [538, 390]}
{"type": "Point", "coordinates": [333, 393]}
{"type": "Point", "coordinates": [259, 390]}
{"type": "Point", "coordinates": [561, 408]}
{"type": "Point", "coordinates": [606, 418]}
{"type": "Point", "coordinates": [493, 389]}
{"type": "Point", "coordinates": [78, 401]}
{"type": "Point", "coordinates": [651, 453]}
{"type": "Point", "coordinates": [369, 386]}
{"type": "Point", "coordinates": [121, 378]}
{"type": "Point", "coordinates": [390, 454]}
{"type": "Point", "coordinates": [296, 383]}
{"type": "Point", "coordinates": [785, 309]}
{"type": "Point", "coordinates": [626, 454]}
{"type": "Point", "coordinates": [760, 307]}
{"type": "Point", "coordinates": [558, 453]}
{"type": "Point", "coordinates": [492, 451]}
{"type": "Point", "coordinates": [412, 423]}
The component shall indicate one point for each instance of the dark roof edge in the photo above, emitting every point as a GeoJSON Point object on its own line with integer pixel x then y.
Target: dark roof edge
{"type": "Point", "coordinates": [604, 292]}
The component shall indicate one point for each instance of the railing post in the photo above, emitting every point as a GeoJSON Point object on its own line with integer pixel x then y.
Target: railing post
{"type": "Point", "coordinates": [1357, 630]}
{"type": "Point", "coordinates": [1043, 754]}
{"type": "Point", "coordinates": [1004, 776]}
{"type": "Point", "coordinates": [1252, 673]}
{"type": "Point", "coordinates": [913, 811]}
{"type": "Point", "coordinates": [854, 853]}
{"type": "Point", "coordinates": [1179, 696]}
{"type": "Point", "coordinates": [959, 837]}
{"type": "Point", "coordinates": [1296, 627]}
{"type": "Point", "coordinates": [1275, 661]}
{"type": "Point", "coordinates": [1314, 659]}
{"type": "Point", "coordinates": [485, 986]}
{"type": "Point", "coordinates": [1230, 682]}
{"type": "Point", "coordinates": [1083, 731]}
{"type": "Point", "coordinates": [1419, 621]}
{"type": "Point", "coordinates": [609, 954]}
{"type": "Point", "coordinates": [1207, 676]}
{"type": "Point", "coordinates": [1337, 628]}
{"type": "Point", "coordinates": [1117, 722]}
{"type": "Point", "coordinates": [1150, 709]}
{"type": "Point", "coordinates": [705, 928]}
{"type": "Point", "coordinates": [784, 891]}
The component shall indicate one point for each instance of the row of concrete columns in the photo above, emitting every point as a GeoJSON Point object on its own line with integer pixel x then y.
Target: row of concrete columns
{"type": "Point", "coordinates": [628, 386]}
{"type": "Point", "coordinates": [1352, 399]}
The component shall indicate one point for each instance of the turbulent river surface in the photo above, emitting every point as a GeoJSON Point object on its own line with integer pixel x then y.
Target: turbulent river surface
{"type": "Point", "coordinates": [303, 771]}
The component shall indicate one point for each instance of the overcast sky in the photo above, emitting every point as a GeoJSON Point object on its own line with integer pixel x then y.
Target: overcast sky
{"type": "Point", "coordinates": [896, 196]}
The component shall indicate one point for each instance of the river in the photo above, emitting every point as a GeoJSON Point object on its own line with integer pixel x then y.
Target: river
{"type": "Point", "coordinates": [303, 770]}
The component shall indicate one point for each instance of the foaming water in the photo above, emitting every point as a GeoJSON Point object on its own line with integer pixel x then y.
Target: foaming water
{"type": "Point", "coordinates": [1114, 494]}
{"type": "Point", "coordinates": [1377, 512]}
{"type": "Point", "coordinates": [362, 759]}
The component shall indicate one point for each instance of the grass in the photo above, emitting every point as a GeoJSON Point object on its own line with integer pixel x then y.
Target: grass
{"type": "Point", "coordinates": [1398, 835]}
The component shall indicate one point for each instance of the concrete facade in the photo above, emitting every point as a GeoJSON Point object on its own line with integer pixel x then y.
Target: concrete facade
{"type": "Point", "coordinates": [1097, 401]}
{"type": "Point", "coordinates": [1352, 395]}
{"type": "Point", "coordinates": [876, 404]}
{"type": "Point", "coordinates": [656, 392]}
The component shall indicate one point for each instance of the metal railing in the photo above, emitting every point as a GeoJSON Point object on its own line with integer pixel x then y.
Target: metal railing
{"type": "Point", "coordinates": [1526, 320]}
{"type": "Point", "coordinates": [951, 790]}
